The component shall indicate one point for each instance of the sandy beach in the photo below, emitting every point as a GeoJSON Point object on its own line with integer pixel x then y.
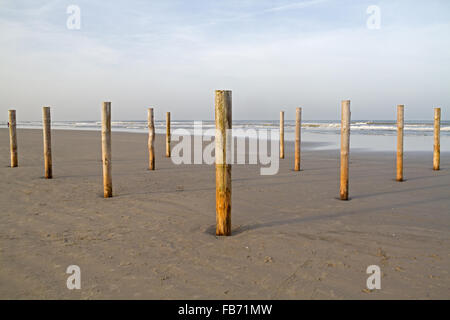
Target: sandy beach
{"type": "Point", "coordinates": [291, 237]}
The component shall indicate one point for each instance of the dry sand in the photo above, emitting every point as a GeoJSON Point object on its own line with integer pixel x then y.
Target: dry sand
{"type": "Point", "coordinates": [292, 239]}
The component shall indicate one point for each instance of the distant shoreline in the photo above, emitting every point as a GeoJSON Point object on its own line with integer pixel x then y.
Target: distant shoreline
{"type": "Point", "coordinates": [306, 144]}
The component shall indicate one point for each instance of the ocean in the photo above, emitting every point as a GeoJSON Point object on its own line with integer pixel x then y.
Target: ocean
{"type": "Point", "coordinates": [376, 135]}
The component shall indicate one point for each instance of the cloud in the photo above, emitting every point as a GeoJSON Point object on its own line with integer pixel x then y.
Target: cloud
{"type": "Point", "coordinates": [294, 6]}
{"type": "Point", "coordinates": [172, 55]}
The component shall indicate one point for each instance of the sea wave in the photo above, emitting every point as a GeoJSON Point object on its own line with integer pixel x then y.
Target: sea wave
{"type": "Point", "coordinates": [370, 127]}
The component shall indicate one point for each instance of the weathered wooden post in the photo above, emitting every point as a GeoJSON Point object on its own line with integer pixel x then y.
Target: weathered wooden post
{"type": "Point", "coordinates": [400, 124]}
{"type": "Point", "coordinates": [151, 140]}
{"type": "Point", "coordinates": [345, 147]}
{"type": "Point", "coordinates": [13, 138]}
{"type": "Point", "coordinates": [168, 134]}
{"type": "Point", "coordinates": [106, 149]}
{"type": "Point", "coordinates": [298, 129]}
{"type": "Point", "coordinates": [46, 122]}
{"type": "Point", "coordinates": [281, 134]}
{"type": "Point", "coordinates": [437, 142]}
{"type": "Point", "coordinates": [223, 107]}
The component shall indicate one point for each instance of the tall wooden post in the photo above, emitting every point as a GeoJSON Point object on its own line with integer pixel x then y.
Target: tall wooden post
{"type": "Point", "coordinates": [223, 107]}
{"type": "Point", "coordinates": [46, 122]}
{"type": "Point", "coordinates": [151, 140]}
{"type": "Point", "coordinates": [298, 129]}
{"type": "Point", "coordinates": [437, 142]}
{"type": "Point", "coordinates": [168, 134]}
{"type": "Point", "coordinates": [13, 138]}
{"type": "Point", "coordinates": [106, 149]}
{"type": "Point", "coordinates": [400, 124]}
{"type": "Point", "coordinates": [345, 148]}
{"type": "Point", "coordinates": [281, 134]}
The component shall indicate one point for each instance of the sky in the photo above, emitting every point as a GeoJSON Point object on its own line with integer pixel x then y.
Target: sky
{"type": "Point", "coordinates": [274, 55]}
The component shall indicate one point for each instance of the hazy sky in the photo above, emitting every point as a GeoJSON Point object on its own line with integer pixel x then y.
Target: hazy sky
{"type": "Point", "coordinates": [273, 55]}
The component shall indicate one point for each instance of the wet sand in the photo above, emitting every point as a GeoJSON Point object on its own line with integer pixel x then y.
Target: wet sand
{"type": "Point", "coordinates": [292, 238]}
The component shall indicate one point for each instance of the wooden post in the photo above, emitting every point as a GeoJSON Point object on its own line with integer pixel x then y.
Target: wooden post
{"type": "Point", "coordinates": [46, 122]}
{"type": "Point", "coordinates": [437, 142]}
{"type": "Point", "coordinates": [281, 134]}
{"type": "Point", "coordinates": [13, 138]}
{"type": "Point", "coordinates": [298, 129]}
{"type": "Point", "coordinates": [168, 134]}
{"type": "Point", "coordinates": [151, 140]}
{"type": "Point", "coordinates": [106, 149]}
{"type": "Point", "coordinates": [345, 147]}
{"type": "Point", "coordinates": [223, 109]}
{"type": "Point", "coordinates": [400, 124]}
